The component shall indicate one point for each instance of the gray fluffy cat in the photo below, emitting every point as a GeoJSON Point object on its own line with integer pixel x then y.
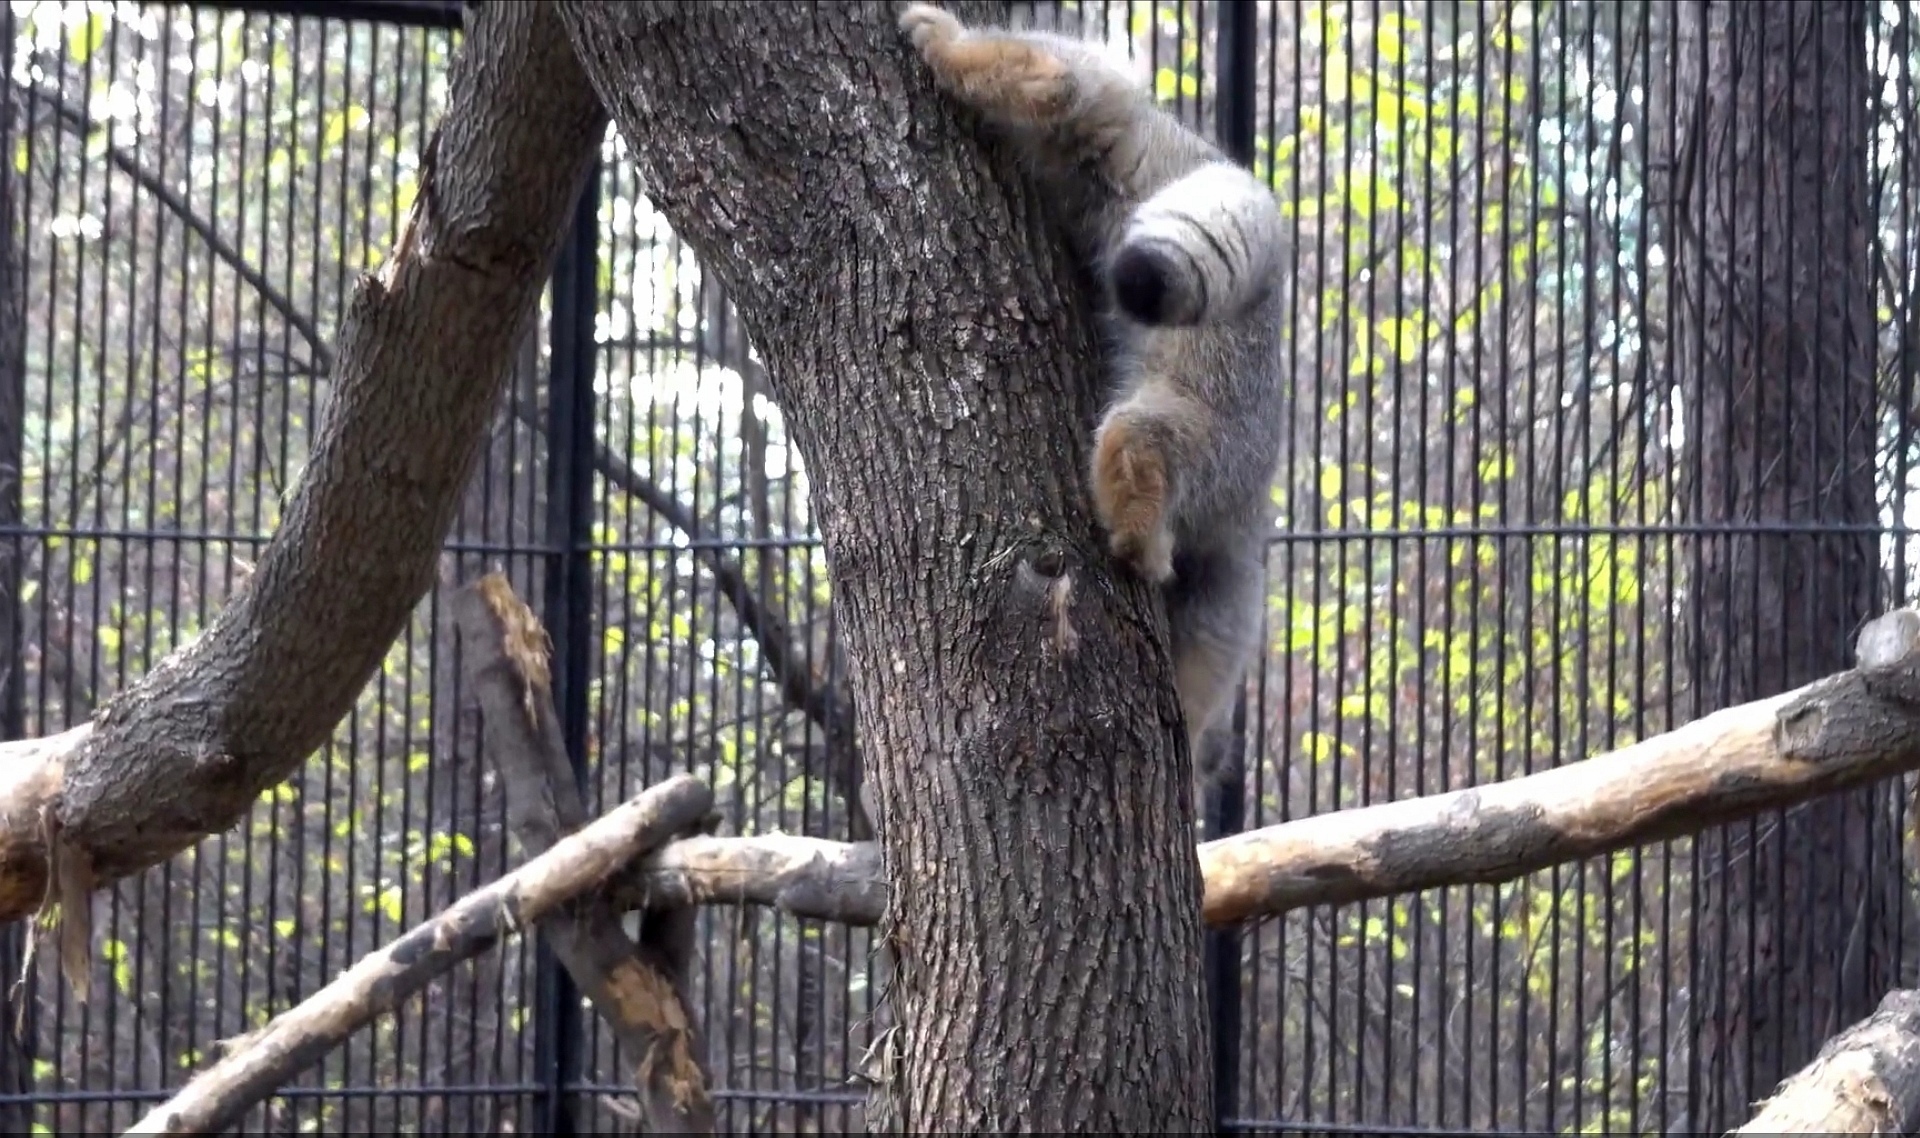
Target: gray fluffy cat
{"type": "Point", "coordinates": [1190, 246]}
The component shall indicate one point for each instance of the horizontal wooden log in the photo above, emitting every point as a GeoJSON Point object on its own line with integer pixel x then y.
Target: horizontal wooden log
{"type": "Point", "coordinates": [259, 1063]}
{"type": "Point", "coordinates": [1844, 731]}
{"type": "Point", "coordinates": [1866, 1080]}
{"type": "Point", "coordinates": [808, 877]}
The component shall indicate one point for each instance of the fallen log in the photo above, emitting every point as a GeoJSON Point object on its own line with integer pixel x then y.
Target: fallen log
{"type": "Point", "coordinates": [1866, 1080]}
{"type": "Point", "coordinates": [1844, 731]}
{"type": "Point", "coordinates": [258, 1063]}
{"type": "Point", "coordinates": [639, 991]}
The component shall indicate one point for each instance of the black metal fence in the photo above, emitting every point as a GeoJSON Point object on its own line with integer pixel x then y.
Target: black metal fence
{"type": "Point", "coordinates": [1605, 340]}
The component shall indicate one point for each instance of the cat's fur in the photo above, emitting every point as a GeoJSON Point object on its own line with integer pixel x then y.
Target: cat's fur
{"type": "Point", "coordinates": [1189, 246]}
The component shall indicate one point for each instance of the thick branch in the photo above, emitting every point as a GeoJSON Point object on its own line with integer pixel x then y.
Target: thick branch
{"type": "Point", "coordinates": [421, 357]}
{"type": "Point", "coordinates": [1866, 1080]}
{"type": "Point", "coordinates": [1844, 731]}
{"type": "Point", "coordinates": [261, 1062]}
{"type": "Point", "coordinates": [640, 995]}
{"type": "Point", "coordinates": [1840, 732]}
{"type": "Point", "coordinates": [807, 877]}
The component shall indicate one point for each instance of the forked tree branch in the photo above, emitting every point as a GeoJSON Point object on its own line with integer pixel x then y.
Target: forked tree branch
{"type": "Point", "coordinates": [820, 701]}
{"type": "Point", "coordinates": [823, 702]}
{"type": "Point", "coordinates": [639, 990]}
{"type": "Point", "coordinates": [259, 1063]}
{"type": "Point", "coordinates": [1830, 735]}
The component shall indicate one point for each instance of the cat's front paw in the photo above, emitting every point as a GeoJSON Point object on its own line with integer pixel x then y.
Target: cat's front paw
{"type": "Point", "coordinates": [1130, 494]}
{"type": "Point", "coordinates": [1003, 76]}
{"type": "Point", "coordinates": [926, 24]}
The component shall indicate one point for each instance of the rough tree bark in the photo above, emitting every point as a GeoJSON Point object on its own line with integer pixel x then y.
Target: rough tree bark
{"type": "Point", "coordinates": [1866, 1080]}
{"type": "Point", "coordinates": [1769, 223]}
{"type": "Point", "coordinates": [928, 342]}
{"type": "Point", "coordinates": [422, 353]}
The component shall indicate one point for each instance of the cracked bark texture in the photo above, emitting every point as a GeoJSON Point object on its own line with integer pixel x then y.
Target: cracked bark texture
{"type": "Point", "coordinates": [1866, 1080]}
{"type": "Point", "coordinates": [933, 350]}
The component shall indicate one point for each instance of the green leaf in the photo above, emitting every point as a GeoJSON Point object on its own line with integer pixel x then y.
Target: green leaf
{"type": "Point", "coordinates": [389, 901]}
{"type": "Point", "coordinates": [1332, 481]}
{"type": "Point", "coordinates": [1168, 83]}
{"type": "Point", "coordinates": [114, 952]}
{"type": "Point", "coordinates": [1387, 40]}
{"type": "Point", "coordinates": [1339, 79]}
{"type": "Point", "coordinates": [85, 38]}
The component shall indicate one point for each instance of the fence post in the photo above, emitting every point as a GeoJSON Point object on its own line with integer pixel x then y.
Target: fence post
{"type": "Point", "coordinates": [16, 1050]}
{"type": "Point", "coordinates": [1223, 806]}
{"type": "Point", "coordinates": [559, 1029]}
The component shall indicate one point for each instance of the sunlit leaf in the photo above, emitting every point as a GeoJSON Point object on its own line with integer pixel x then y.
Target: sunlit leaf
{"type": "Point", "coordinates": [86, 36]}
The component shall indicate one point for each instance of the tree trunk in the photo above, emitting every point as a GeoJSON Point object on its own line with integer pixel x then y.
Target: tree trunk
{"type": "Point", "coordinates": [1769, 224]}
{"type": "Point", "coordinates": [928, 341]}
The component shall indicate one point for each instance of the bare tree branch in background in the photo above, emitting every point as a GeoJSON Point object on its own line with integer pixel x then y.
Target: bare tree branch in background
{"type": "Point", "coordinates": [77, 122]}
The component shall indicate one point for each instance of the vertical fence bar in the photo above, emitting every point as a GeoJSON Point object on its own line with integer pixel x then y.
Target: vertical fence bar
{"type": "Point", "coordinates": [16, 1049]}
{"type": "Point", "coordinates": [559, 1040]}
{"type": "Point", "coordinates": [1223, 805]}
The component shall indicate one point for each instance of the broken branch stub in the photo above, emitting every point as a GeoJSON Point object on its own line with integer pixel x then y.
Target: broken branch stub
{"type": "Point", "coordinates": [638, 992]}
{"type": "Point", "coordinates": [1887, 654]}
